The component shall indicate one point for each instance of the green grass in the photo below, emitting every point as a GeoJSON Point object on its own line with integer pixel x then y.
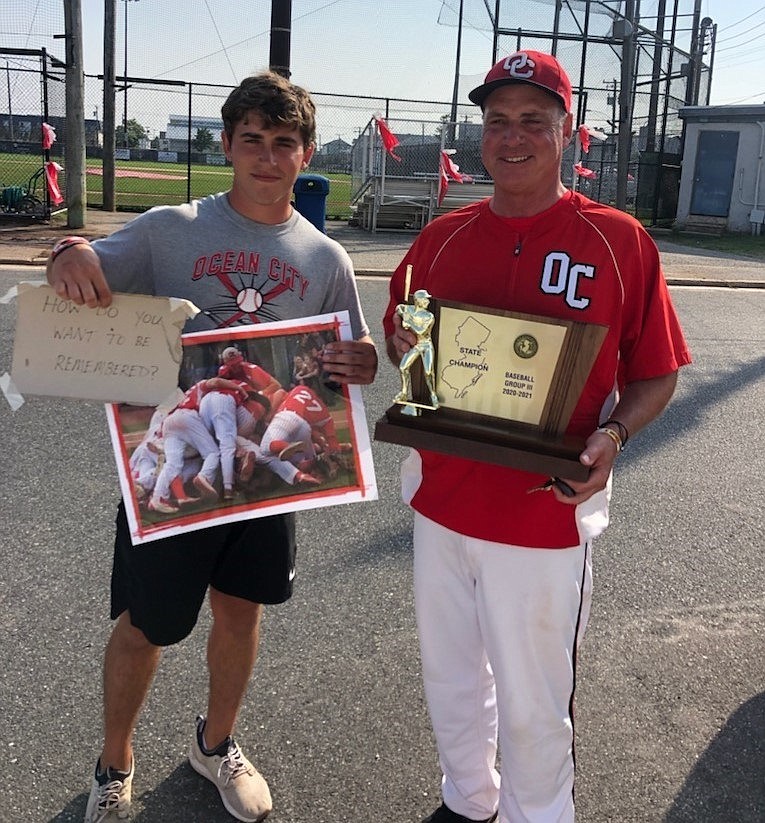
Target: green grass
{"type": "Point", "coordinates": [139, 194]}
{"type": "Point", "coordinates": [742, 244]}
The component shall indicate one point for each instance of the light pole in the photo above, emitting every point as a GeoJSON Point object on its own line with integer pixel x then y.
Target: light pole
{"type": "Point", "coordinates": [125, 110]}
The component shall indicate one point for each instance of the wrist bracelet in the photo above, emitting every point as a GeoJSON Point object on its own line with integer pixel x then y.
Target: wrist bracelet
{"type": "Point", "coordinates": [623, 433]}
{"type": "Point", "coordinates": [67, 243]}
{"type": "Point", "coordinates": [614, 435]}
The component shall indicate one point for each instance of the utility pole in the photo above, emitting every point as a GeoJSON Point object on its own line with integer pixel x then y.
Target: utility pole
{"type": "Point", "coordinates": [125, 101]}
{"type": "Point", "coordinates": [281, 29]}
{"type": "Point", "coordinates": [712, 44]}
{"type": "Point", "coordinates": [653, 103]}
{"type": "Point", "coordinates": [110, 81]}
{"type": "Point", "coordinates": [694, 64]}
{"type": "Point", "coordinates": [624, 138]}
{"type": "Point", "coordinates": [611, 100]}
{"type": "Point", "coordinates": [705, 26]}
{"type": "Point", "coordinates": [10, 102]}
{"type": "Point", "coordinates": [452, 131]}
{"type": "Point", "coordinates": [74, 151]}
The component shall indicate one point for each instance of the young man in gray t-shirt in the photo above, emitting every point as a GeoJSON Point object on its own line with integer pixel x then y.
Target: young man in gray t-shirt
{"type": "Point", "coordinates": [243, 256]}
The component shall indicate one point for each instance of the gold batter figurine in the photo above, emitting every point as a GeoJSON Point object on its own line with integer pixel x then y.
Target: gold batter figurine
{"type": "Point", "coordinates": [419, 320]}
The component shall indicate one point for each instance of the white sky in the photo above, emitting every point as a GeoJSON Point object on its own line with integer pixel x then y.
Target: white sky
{"type": "Point", "coordinates": [394, 48]}
{"type": "Point", "coordinates": [381, 48]}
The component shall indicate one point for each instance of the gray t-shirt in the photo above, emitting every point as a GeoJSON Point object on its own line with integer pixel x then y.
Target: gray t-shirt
{"type": "Point", "coordinates": [236, 271]}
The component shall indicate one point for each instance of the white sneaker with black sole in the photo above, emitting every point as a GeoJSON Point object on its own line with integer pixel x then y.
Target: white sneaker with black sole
{"type": "Point", "coordinates": [110, 794]}
{"type": "Point", "coordinates": [242, 789]}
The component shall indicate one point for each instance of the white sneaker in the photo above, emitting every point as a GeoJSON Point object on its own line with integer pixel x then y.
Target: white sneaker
{"type": "Point", "coordinates": [162, 505]}
{"type": "Point", "coordinates": [291, 449]}
{"type": "Point", "coordinates": [242, 789]}
{"type": "Point", "coordinates": [110, 795]}
{"type": "Point", "coordinates": [205, 486]}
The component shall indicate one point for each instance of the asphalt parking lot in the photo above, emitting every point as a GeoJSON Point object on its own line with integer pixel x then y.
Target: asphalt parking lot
{"type": "Point", "coordinates": [671, 691]}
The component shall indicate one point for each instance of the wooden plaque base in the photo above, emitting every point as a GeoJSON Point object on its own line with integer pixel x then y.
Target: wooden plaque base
{"type": "Point", "coordinates": [476, 438]}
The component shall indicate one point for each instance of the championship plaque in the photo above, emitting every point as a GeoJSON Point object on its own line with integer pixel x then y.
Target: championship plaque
{"type": "Point", "coordinates": [492, 385]}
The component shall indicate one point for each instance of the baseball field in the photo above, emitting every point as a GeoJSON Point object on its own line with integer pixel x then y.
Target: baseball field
{"type": "Point", "coordinates": [140, 185]}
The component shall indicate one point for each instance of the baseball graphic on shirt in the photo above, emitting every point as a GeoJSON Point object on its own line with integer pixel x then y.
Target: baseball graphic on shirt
{"type": "Point", "coordinates": [249, 300]}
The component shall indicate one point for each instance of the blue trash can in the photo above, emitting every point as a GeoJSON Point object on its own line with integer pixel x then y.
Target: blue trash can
{"type": "Point", "coordinates": [311, 192]}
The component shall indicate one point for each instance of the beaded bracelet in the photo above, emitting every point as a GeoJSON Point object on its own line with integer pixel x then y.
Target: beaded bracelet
{"type": "Point", "coordinates": [614, 435]}
{"type": "Point", "coordinates": [67, 243]}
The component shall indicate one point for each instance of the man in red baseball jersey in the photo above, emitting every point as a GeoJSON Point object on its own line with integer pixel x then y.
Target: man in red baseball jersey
{"type": "Point", "coordinates": [502, 577]}
{"type": "Point", "coordinates": [301, 427]}
{"type": "Point", "coordinates": [235, 367]}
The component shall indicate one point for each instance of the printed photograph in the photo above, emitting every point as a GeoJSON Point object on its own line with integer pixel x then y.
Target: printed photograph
{"type": "Point", "coordinates": [254, 429]}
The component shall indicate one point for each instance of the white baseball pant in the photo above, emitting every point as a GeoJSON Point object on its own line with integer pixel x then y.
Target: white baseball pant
{"type": "Point", "coordinates": [245, 422]}
{"type": "Point", "coordinates": [289, 426]}
{"type": "Point", "coordinates": [143, 466]}
{"type": "Point", "coordinates": [218, 412]}
{"type": "Point", "coordinates": [144, 463]}
{"type": "Point", "coordinates": [499, 626]}
{"type": "Point", "coordinates": [181, 429]}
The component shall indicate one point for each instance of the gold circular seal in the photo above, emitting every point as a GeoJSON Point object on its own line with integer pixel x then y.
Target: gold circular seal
{"type": "Point", "coordinates": [525, 346]}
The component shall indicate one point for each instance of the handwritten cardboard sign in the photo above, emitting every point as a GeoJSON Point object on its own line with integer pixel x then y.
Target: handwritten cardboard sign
{"type": "Point", "coordinates": [128, 352]}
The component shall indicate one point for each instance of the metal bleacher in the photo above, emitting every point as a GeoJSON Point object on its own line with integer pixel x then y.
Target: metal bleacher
{"type": "Point", "coordinates": [398, 202]}
{"type": "Point", "coordinates": [408, 204]}
{"type": "Point", "coordinates": [391, 203]}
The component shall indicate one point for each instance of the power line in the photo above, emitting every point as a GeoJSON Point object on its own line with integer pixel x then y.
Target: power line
{"type": "Point", "coordinates": [743, 19]}
{"type": "Point", "coordinates": [731, 60]}
{"type": "Point", "coordinates": [735, 59]}
{"type": "Point", "coordinates": [759, 96]}
{"type": "Point", "coordinates": [246, 40]}
{"type": "Point", "coordinates": [220, 39]}
{"type": "Point", "coordinates": [754, 39]}
{"type": "Point", "coordinates": [741, 34]}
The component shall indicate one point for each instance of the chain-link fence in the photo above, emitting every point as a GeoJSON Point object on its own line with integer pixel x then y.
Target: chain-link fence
{"type": "Point", "coordinates": [668, 72]}
{"type": "Point", "coordinates": [28, 165]}
{"type": "Point", "coordinates": [168, 146]}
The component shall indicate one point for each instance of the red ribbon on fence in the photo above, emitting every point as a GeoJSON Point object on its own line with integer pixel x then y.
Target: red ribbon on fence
{"type": "Point", "coordinates": [389, 140]}
{"type": "Point", "coordinates": [51, 179]}
{"type": "Point", "coordinates": [48, 135]}
{"type": "Point", "coordinates": [584, 138]}
{"type": "Point", "coordinates": [583, 171]}
{"type": "Point", "coordinates": [447, 170]}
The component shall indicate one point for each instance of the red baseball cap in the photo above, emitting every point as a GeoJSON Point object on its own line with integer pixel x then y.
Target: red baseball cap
{"type": "Point", "coordinates": [533, 67]}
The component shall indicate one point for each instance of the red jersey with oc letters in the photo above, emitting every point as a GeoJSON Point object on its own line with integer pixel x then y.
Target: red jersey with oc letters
{"type": "Point", "coordinates": [578, 260]}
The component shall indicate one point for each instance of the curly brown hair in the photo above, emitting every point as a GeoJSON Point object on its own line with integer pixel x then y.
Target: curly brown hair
{"type": "Point", "coordinates": [274, 98]}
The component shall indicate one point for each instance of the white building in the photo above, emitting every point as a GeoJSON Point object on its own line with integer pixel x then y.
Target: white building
{"type": "Point", "coordinates": [722, 185]}
{"type": "Point", "coordinates": [177, 133]}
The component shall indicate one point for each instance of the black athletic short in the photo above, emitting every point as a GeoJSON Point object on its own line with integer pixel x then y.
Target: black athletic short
{"type": "Point", "coordinates": [163, 582]}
